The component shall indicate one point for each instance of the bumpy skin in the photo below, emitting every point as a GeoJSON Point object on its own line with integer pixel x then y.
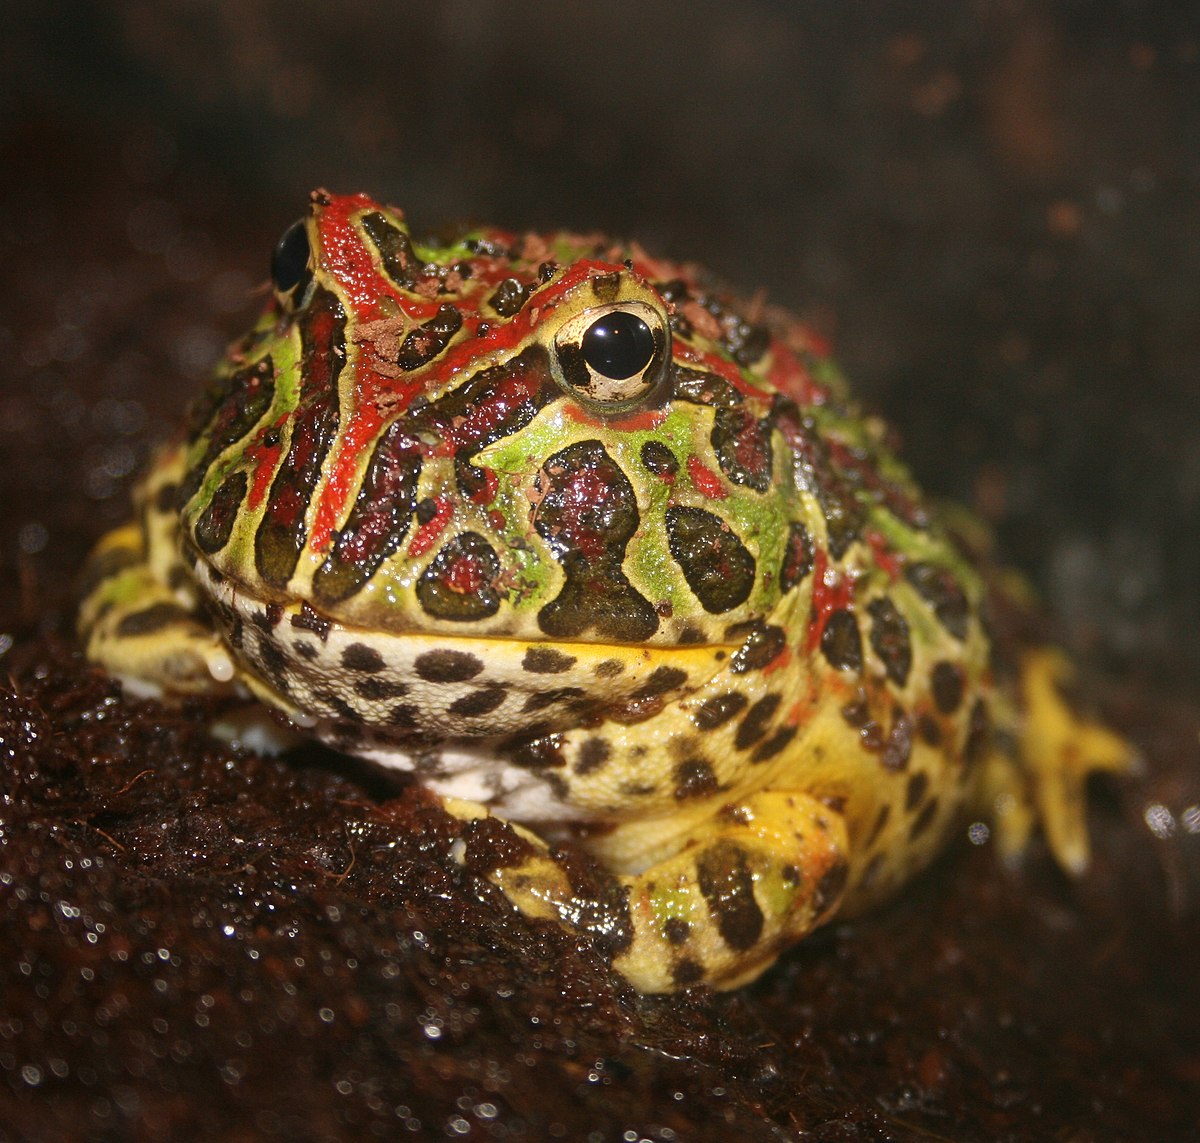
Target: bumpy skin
{"type": "Point", "coordinates": [588, 545]}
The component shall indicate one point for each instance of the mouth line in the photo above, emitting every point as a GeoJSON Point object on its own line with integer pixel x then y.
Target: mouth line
{"type": "Point", "coordinates": [301, 615]}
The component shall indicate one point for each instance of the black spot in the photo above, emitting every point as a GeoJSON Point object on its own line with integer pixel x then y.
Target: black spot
{"type": "Point", "coordinates": [746, 342]}
{"type": "Point", "coordinates": [797, 556]}
{"type": "Point", "coordinates": [715, 563]}
{"type": "Point", "coordinates": [948, 686]}
{"type": "Point", "coordinates": [898, 748]}
{"type": "Point", "coordinates": [694, 778]}
{"type": "Point", "coordinates": [757, 719]}
{"type": "Point", "coordinates": [676, 931]}
{"type": "Point", "coordinates": [687, 971]}
{"type": "Point", "coordinates": [944, 594]}
{"type": "Point", "coordinates": [609, 669]}
{"type": "Point", "coordinates": [360, 657]}
{"type": "Point", "coordinates": [151, 619]}
{"type": "Point", "coordinates": [718, 710]}
{"type": "Point", "coordinates": [305, 649]}
{"type": "Point", "coordinates": [425, 342]}
{"type": "Point", "coordinates": [542, 699]}
{"type": "Point", "coordinates": [890, 639]}
{"type": "Point", "coordinates": [918, 784]}
{"type": "Point", "coordinates": [374, 689]}
{"type": "Point", "coordinates": [537, 752]}
{"type": "Point", "coordinates": [828, 891]}
{"type": "Point", "coordinates": [307, 619]}
{"type": "Point", "coordinates": [459, 583]}
{"type": "Point", "coordinates": [546, 661]}
{"type": "Point", "coordinates": [509, 297]}
{"type": "Point", "coordinates": [929, 730]}
{"type": "Point", "coordinates": [775, 744]}
{"type": "Point", "coordinates": [762, 647]}
{"type": "Point", "coordinates": [447, 666]}
{"type": "Point", "coordinates": [923, 820]}
{"type": "Point", "coordinates": [482, 701]}
{"type": "Point", "coordinates": [336, 705]}
{"type": "Point", "coordinates": [841, 642]}
{"type": "Point", "coordinates": [659, 459]}
{"type": "Point", "coordinates": [273, 661]}
{"type": "Point", "coordinates": [426, 509]}
{"type": "Point", "coordinates": [727, 884]}
{"type": "Point", "coordinates": [593, 753]}
{"type": "Point", "coordinates": [857, 712]}
{"type": "Point", "coordinates": [403, 716]}
{"type": "Point", "coordinates": [881, 819]}
{"type": "Point", "coordinates": [871, 873]}
{"type": "Point", "coordinates": [979, 734]}
{"type": "Point", "coordinates": [660, 681]}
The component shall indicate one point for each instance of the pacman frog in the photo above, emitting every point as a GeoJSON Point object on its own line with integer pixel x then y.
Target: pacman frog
{"type": "Point", "coordinates": [588, 545]}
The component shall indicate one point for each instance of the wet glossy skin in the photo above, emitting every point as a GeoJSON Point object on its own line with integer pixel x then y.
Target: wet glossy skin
{"type": "Point", "coordinates": [585, 544]}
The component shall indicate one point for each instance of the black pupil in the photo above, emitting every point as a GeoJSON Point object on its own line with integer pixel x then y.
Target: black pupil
{"type": "Point", "coordinates": [618, 345]}
{"type": "Point", "coordinates": [290, 259]}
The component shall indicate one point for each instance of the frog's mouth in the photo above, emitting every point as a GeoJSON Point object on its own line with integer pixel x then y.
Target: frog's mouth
{"type": "Point", "coordinates": [438, 686]}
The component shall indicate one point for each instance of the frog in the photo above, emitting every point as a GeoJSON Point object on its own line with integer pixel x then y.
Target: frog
{"type": "Point", "coordinates": [602, 556]}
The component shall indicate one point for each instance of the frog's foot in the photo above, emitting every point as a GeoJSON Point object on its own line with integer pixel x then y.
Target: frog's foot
{"type": "Point", "coordinates": [1058, 750]}
{"type": "Point", "coordinates": [139, 629]}
{"type": "Point", "coordinates": [746, 883]}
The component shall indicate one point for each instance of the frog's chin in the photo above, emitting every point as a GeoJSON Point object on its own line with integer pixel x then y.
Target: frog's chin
{"type": "Point", "coordinates": [416, 687]}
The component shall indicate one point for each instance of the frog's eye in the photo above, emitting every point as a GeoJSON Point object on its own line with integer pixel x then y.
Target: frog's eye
{"type": "Point", "coordinates": [612, 357]}
{"type": "Point", "coordinates": [290, 272]}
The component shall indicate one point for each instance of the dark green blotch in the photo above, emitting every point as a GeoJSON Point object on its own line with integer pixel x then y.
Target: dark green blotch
{"type": "Point", "coordinates": [440, 590]}
{"type": "Point", "coordinates": [715, 563]}
{"type": "Point", "coordinates": [728, 887]}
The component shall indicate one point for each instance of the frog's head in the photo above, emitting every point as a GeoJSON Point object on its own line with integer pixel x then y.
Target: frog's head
{"type": "Point", "coordinates": [536, 439]}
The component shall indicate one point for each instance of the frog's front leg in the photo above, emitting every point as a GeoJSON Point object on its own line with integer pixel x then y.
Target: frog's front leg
{"type": "Point", "coordinates": [139, 614]}
{"type": "Point", "coordinates": [747, 881]}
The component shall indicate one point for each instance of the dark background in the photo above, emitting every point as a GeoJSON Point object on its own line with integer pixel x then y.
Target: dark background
{"type": "Point", "coordinates": [992, 208]}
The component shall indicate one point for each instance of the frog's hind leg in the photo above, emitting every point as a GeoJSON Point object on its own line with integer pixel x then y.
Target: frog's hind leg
{"type": "Point", "coordinates": [746, 883]}
{"type": "Point", "coordinates": [1044, 776]}
{"type": "Point", "coordinates": [138, 615]}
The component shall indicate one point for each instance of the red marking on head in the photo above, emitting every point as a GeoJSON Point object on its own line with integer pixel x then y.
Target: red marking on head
{"type": "Point", "coordinates": [885, 557]}
{"type": "Point", "coordinates": [832, 591]}
{"type": "Point", "coordinates": [582, 497]}
{"type": "Point", "coordinates": [779, 662]}
{"type": "Point", "coordinates": [466, 575]}
{"type": "Point", "coordinates": [705, 480]}
{"type": "Point", "coordinates": [487, 493]}
{"type": "Point", "coordinates": [426, 535]}
{"type": "Point", "coordinates": [692, 357]}
{"type": "Point", "coordinates": [640, 421]}
{"type": "Point", "coordinates": [792, 378]}
{"type": "Point", "coordinates": [264, 457]}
